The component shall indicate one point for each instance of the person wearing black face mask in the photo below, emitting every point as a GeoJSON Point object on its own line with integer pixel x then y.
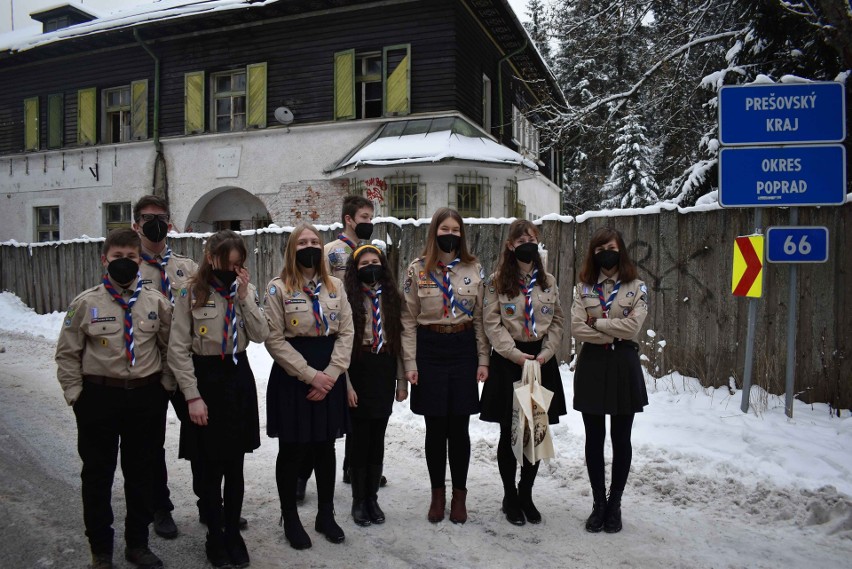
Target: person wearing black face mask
{"type": "Point", "coordinates": [523, 321]}
{"type": "Point", "coordinates": [219, 386]}
{"type": "Point", "coordinates": [168, 272]}
{"type": "Point", "coordinates": [607, 314]}
{"type": "Point", "coordinates": [110, 359]}
{"type": "Point", "coordinates": [445, 353]}
{"type": "Point", "coordinates": [374, 374]}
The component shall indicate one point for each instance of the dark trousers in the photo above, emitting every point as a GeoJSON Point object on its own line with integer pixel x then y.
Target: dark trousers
{"type": "Point", "coordinates": [162, 495]}
{"type": "Point", "coordinates": [622, 450]}
{"type": "Point", "coordinates": [507, 464]}
{"type": "Point", "coordinates": [109, 418]}
{"type": "Point", "coordinates": [448, 437]}
{"type": "Point", "coordinates": [214, 472]}
{"type": "Point", "coordinates": [288, 466]}
{"type": "Point", "coordinates": [367, 440]}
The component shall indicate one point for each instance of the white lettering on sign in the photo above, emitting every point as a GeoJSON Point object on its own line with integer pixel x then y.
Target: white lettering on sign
{"type": "Point", "coordinates": [782, 125]}
{"type": "Point", "coordinates": [781, 164]}
{"type": "Point", "coordinates": [774, 187]}
{"type": "Point", "coordinates": [773, 103]}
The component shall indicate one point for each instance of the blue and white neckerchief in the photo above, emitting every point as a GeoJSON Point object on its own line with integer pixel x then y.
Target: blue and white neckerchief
{"type": "Point", "coordinates": [529, 311]}
{"type": "Point", "coordinates": [446, 287]}
{"type": "Point", "coordinates": [230, 316]}
{"type": "Point", "coordinates": [165, 286]}
{"type": "Point", "coordinates": [607, 303]}
{"type": "Point", "coordinates": [319, 317]}
{"type": "Point", "coordinates": [375, 297]}
{"type": "Point", "coordinates": [127, 306]}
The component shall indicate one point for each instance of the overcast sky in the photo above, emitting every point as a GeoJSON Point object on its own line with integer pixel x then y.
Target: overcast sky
{"type": "Point", "coordinates": [22, 8]}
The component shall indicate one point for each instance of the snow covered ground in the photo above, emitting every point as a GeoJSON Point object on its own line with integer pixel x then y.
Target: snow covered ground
{"type": "Point", "coordinates": [709, 487]}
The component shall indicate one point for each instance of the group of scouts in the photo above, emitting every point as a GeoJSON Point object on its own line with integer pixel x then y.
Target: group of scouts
{"type": "Point", "coordinates": [347, 340]}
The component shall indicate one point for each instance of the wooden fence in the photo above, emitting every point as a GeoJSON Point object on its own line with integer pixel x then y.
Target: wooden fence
{"type": "Point", "coordinates": [684, 257]}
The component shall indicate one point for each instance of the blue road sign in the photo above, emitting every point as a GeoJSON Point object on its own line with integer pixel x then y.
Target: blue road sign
{"type": "Point", "coordinates": [785, 113]}
{"type": "Point", "coordinates": [782, 176]}
{"type": "Point", "coordinates": [797, 244]}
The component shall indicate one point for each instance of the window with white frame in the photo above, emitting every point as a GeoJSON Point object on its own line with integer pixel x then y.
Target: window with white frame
{"type": "Point", "coordinates": [117, 114]}
{"type": "Point", "coordinates": [486, 103]}
{"type": "Point", "coordinates": [524, 134]}
{"type": "Point", "coordinates": [368, 86]}
{"type": "Point", "coordinates": [229, 100]}
{"type": "Point", "coordinates": [117, 216]}
{"type": "Point", "coordinates": [47, 223]}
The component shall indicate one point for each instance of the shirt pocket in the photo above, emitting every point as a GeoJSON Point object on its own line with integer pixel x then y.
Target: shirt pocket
{"type": "Point", "coordinates": [204, 320]}
{"type": "Point", "coordinates": [511, 308]}
{"type": "Point", "coordinates": [466, 296]}
{"type": "Point", "coordinates": [331, 311]}
{"type": "Point", "coordinates": [592, 306]}
{"type": "Point", "coordinates": [298, 315]}
{"type": "Point", "coordinates": [622, 309]}
{"type": "Point", "coordinates": [431, 302]}
{"type": "Point", "coordinates": [147, 327]}
{"type": "Point", "coordinates": [107, 337]}
{"type": "Point", "coordinates": [546, 307]}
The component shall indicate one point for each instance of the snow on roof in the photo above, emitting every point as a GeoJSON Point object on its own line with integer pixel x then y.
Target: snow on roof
{"type": "Point", "coordinates": [431, 140]}
{"type": "Point", "coordinates": [125, 17]}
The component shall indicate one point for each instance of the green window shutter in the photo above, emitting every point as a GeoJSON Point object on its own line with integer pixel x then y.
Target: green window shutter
{"type": "Point", "coordinates": [256, 91]}
{"type": "Point", "coordinates": [344, 84]}
{"type": "Point", "coordinates": [396, 68]}
{"type": "Point", "coordinates": [194, 102]}
{"type": "Point", "coordinates": [31, 124]}
{"type": "Point", "coordinates": [139, 110]}
{"type": "Point", "coordinates": [87, 105]}
{"type": "Point", "coordinates": [55, 120]}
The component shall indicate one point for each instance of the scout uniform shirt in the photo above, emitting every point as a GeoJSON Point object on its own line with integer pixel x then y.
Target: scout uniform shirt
{"type": "Point", "coordinates": [337, 254]}
{"type": "Point", "coordinates": [198, 330]}
{"type": "Point", "coordinates": [504, 319]}
{"type": "Point", "coordinates": [291, 314]}
{"type": "Point", "coordinates": [401, 382]}
{"type": "Point", "coordinates": [626, 313]}
{"type": "Point", "coordinates": [423, 305]}
{"type": "Point", "coordinates": [91, 341]}
{"type": "Point", "coordinates": [178, 269]}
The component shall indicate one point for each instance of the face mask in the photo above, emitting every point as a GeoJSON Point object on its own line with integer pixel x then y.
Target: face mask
{"type": "Point", "coordinates": [607, 258]}
{"type": "Point", "coordinates": [225, 277]}
{"type": "Point", "coordinates": [526, 252]}
{"type": "Point", "coordinates": [309, 257]}
{"type": "Point", "coordinates": [449, 242]}
{"type": "Point", "coordinates": [155, 230]}
{"type": "Point", "coordinates": [123, 270]}
{"type": "Point", "coordinates": [370, 274]}
{"type": "Point", "coordinates": [364, 230]}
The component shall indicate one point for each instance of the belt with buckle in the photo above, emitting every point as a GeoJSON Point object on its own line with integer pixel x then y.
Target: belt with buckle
{"type": "Point", "coordinates": [126, 383]}
{"type": "Point", "coordinates": [449, 328]}
{"type": "Point", "coordinates": [369, 348]}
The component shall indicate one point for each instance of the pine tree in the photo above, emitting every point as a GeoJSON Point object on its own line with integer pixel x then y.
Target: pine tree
{"type": "Point", "coordinates": [538, 27]}
{"type": "Point", "coordinates": [631, 180]}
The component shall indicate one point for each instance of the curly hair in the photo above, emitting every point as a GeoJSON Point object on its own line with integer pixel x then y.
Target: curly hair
{"type": "Point", "coordinates": [391, 302]}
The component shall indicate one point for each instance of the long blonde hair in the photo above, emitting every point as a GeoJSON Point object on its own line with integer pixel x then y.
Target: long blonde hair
{"type": "Point", "coordinates": [290, 273]}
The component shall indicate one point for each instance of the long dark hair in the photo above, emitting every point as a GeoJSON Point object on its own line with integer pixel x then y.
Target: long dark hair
{"type": "Point", "coordinates": [626, 268]}
{"type": "Point", "coordinates": [507, 279]}
{"type": "Point", "coordinates": [218, 246]}
{"type": "Point", "coordinates": [431, 251]}
{"type": "Point", "coordinates": [391, 302]}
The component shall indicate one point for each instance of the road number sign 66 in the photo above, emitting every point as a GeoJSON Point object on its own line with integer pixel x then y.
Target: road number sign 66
{"type": "Point", "coordinates": [797, 244]}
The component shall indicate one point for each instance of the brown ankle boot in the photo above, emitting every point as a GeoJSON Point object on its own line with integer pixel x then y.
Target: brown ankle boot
{"type": "Point", "coordinates": [439, 504]}
{"type": "Point", "coordinates": [458, 510]}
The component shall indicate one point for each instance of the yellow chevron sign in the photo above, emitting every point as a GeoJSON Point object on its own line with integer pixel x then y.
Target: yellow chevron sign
{"type": "Point", "coordinates": [748, 266]}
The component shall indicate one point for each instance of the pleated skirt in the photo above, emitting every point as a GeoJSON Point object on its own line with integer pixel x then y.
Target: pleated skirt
{"type": "Point", "coordinates": [609, 381]}
{"type": "Point", "coordinates": [446, 371]}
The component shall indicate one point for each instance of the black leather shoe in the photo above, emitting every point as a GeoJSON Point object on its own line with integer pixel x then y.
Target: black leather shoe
{"type": "Point", "coordinates": [237, 550]}
{"type": "Point", "coordinates": [164, 524]}
{"type": "Point", "coordinates": [528, 507]}
{"type": "Point", "coordinates": [595, 522]}
{"type": "Point", "coordinates": [359, 513]}
{"type": "Point", "coordinates": [294, 531]}
{"type": "Point", "coordinates": [217, 555]}
{"type": "Point", "coordinates": [143, 558]}
{"type": "Point", "coordinates": [101, 560]}
{"type": "Point", "coordinates": [512, 509]}
{"type": "Point", "coordinates": [326, 525]}
{"type": "Point", "coordinates": [612, 518]}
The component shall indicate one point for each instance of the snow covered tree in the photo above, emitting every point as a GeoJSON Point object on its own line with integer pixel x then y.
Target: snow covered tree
{"type": "Point", "coordinates": [538, 26]}
{"type": "Point", "coordinates": [631, 180]}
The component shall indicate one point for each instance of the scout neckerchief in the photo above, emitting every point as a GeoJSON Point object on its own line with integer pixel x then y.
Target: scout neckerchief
{"type": "Point", "coordinates": [607, 303]}
{"type": "Point", "coordinates": [230, 315]}
{"type": "Point", "coordinates": [319, 317]}
{"type": "Point", "coordinates": [165, 287]}
{"type": "Point", "coordinates": [378, 340]}
{"type": "Point", "coordinates": [348, 241]}
{"type": "Point", "coordinates": [128, 317]}
{"type": "Point", "coordinates": [446, 287]}
{"type": "Point", "coordinates": [529, 312]}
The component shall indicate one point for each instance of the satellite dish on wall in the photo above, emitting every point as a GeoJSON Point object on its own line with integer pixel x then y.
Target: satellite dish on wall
{"type": "Point", "coordinates": [284, 115]}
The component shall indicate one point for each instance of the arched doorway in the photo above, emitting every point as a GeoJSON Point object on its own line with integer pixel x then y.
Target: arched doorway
{"type": "Point", "coordinates": [227, 208]}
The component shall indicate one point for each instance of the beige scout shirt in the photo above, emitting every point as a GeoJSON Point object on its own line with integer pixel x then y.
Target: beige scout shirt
{"type": "Point", "coordinates": [504, 319]}
{"type": "Point", "coordinates": [401, 383]}
{"type": "Point", "coordinates": [290, 314]}
{"type": "Point", "coordinates": [626, 315]}
{"type": "Point", "coordinates": [337, 254]}
{"type": "Point", "coordinates": [423, 304]}
{"type": "Point", "coordinates": [91, 341]}
{"type": "Point", "coordinates": [179, 269]}
{"type": "Point", "coordinates": [199, 331]}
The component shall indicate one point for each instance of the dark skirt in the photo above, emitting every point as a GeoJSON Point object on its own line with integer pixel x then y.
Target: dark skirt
{"type": "Point", "coordinates": [233, 426]}
{"type": "Point", "coordinates": [609, 382]}
{"type": "Point", "coordinates": [373, 377]}
{"type": "Point", "coordinates": [446, 371]}
{"type": "Point", "coordinates": [498, 391]}
{"type": "Point", "coordinates": [289, 414]}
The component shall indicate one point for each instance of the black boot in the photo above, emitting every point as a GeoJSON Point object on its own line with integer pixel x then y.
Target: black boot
{"type": "Point", "coordinates": [326, 525]}
{"type": "Point", "coordinates": [525, 485]}
{"type": "Point", "coordinates": [512, 507]}
{"type": "Point", "coordinates": [301, 487]}
{"type": "Point", "coordinates": [595, 522]}
{"type": "Point", "coordinates": [612, 519]}
{"type": "Point", "coordinates": [294, 531]}
{"type": "Point", "coordinates": [237, 550]}
{"type": "Point", "coordinates": [373, 481]}
{"type": "Point", "coordinates": [359, 491]}
{"type": "Point", "coordinates": [215, 547]}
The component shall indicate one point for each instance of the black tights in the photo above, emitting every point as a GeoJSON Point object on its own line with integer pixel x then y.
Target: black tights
{"type": "Point", "coordinates": [508, 464]}
{"type": "Point", "coordinates": [287, 466]}
{"type": "Point", "coordinates": [367, 442]}
{"type": "Point", "coordinates": [622, 450]}
{"type": "Point", "coordinates": [213, 471]}
{"type": "Point", "coordinates": [445, 434]}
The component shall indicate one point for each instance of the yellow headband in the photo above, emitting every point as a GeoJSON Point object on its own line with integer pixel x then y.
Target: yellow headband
{"type": "Point", "coordinates": [357, 253]}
